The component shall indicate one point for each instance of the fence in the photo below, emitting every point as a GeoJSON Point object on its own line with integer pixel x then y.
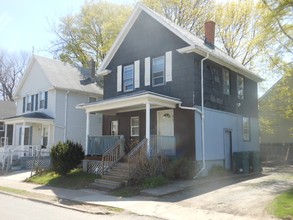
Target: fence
{"type": "Point", "coordinates": [277, 153]}
{"type": "Point", "coordinates": [97, 145]}
{"type": "Point", "coordinates": [163, 145]}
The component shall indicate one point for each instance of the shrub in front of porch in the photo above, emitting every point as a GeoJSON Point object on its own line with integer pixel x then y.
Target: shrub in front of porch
{"type": "Point", "coordinates": [66, 156]}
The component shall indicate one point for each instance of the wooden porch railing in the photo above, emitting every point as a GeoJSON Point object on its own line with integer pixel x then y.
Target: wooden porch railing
{"type": "Point", "coordinates": [112, 155]}
{"type": "Point", "coordinates": [136, 155]}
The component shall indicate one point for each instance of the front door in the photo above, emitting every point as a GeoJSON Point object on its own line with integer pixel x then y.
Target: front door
{"type": "Point", "coordinates": [228, 149]}
{"type": "Point", "coordinates": [165, 123]}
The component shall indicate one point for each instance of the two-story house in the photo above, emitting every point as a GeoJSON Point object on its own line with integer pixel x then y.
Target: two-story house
{"type": "Point", "coordinates": [154, 90]}
{"type": "Point", "coordinates": [46, 98]}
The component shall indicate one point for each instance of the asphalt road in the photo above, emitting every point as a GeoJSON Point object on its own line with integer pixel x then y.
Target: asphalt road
{"type": "Point", "coordinates": [14, 208]}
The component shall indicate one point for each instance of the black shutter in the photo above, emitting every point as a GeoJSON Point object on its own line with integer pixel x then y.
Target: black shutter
{"type": "Point", "coordinates": [37, 100]}
{"type": "Point", "coordinates": [32, 104]}
{"type": "Point", "coordinates": [23, 104]}
{"type": "Point", "coordinates": [46, 100]}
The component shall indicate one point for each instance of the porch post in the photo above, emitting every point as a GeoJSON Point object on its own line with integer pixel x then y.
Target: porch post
{"type": "Point", "coordinates": [22, 134]}
{"type": "Point", "coordinates": [148, 127]}
{"type": "Point", "coordinates": [87, 130]}
{"type": "Point", "coordinates": [13, 135]}
{"type": "Point", "coordinates": [5, 134]}
{"type": "Point", "coordinates": [49, 135]}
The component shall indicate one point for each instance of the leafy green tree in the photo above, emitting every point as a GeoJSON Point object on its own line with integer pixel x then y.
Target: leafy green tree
{"type": "Point", "coordinates": [237, 25]}
{"type": "Point", "coordinates": [88, 34]}
{"type": "Point", "coordinates": [189, 14]}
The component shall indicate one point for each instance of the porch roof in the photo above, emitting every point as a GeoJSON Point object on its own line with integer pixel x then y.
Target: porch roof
{"type": "Point", "coordinates": [34, 117]}
{"type": "Point", "coordinates": [131, 102]}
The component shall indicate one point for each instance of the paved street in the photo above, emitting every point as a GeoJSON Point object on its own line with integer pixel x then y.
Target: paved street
{"type": "Point", "coordinates": [13, 208]}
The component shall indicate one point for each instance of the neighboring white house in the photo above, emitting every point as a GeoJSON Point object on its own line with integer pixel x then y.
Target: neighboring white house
{"type": "Point", "coordinates": [46, 100]}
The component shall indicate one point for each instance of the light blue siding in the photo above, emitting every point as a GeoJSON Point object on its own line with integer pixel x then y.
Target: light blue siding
{"type": "Point", "coordinates": [216, 122]}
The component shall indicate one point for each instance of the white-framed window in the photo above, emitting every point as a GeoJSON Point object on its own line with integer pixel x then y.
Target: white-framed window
{"type": "Point", "coordinates": [2, 126]}
{"type": "Point", "coordinates": [29, 103]}
{"type": "Point", "coordinates": [226, 82]}
{"type": "Point", "coordinates": [158, 71]}
{"type": "Point", "coordinates": [240, 87]}
{"type": "Point", "coordinates": [246, 129]}
{"type": "Point", "coordinates": [92, 99]}
{"type": "Point", "coordinates": [128, 78]}
{"type": "Point", "coordinates": [134, 126]}
{"type": "Point", "coordinates": [42, 97]}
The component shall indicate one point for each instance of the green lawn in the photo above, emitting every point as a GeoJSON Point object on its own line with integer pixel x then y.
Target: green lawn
{"type": "Point", "coordinates": [282, 206]}
{"type": "Point", "coordinates": [76, 179]}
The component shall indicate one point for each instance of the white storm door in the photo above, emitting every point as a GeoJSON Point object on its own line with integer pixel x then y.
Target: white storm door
{"type": "Point", "coordinates": [165, 123]}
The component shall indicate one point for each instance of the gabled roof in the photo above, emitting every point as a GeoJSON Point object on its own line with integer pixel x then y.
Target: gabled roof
{"type": "Point", "coordinates": [7, 109]}
{"type": "Point", "coordinates": [61, 75]}
{"type": "Point", "coordinates": [196, 44]}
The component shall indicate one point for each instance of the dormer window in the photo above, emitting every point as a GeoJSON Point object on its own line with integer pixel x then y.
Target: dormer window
{"type": "Point", "coordinates": [158, 71]}
{"type": "Point", "coordinates": [128, 78]}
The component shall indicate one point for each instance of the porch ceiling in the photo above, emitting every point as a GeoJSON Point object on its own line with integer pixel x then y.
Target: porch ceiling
{"type": "Point", "coordinates": [35, 117]}
{"type": "Point", "coordinates": [133, 102]}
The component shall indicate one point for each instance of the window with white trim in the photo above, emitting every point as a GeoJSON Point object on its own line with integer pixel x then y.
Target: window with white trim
{"type": "Point", "coordinates": [158, 71]}
{"type": "Point", "coordinates": [240, 87]}
{"type": "Point", "coordinates": [92, 99]}
{"type": "Point", "coordinates": [1, 126]}
{"type": "Point", "coordinates": [29, 103]}
{"type": "Point", "coordinates": [42, 100]}
{"type": "Point", "coordinates": [246, 129]}
{"type": "Point", "coordinates": [134, 126]}
{"type": "Point", "coordinates": [226, 81]}
{"type": "Point", "coordinates": [128, 78]}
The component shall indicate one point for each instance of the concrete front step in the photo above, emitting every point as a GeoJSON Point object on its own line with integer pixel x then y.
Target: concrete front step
{"type": "Point", "coordinates": [105, 184]}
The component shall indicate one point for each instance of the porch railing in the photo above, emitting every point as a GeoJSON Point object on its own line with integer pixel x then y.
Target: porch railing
{"type": "Point", "coordinates": [98, 145]}
{"type": "Point", "coordinates": [163, 145]}
{"type": "Point", "coordinates": [112, 155]}
{"type": "Point", "coordinates": [136, 156]}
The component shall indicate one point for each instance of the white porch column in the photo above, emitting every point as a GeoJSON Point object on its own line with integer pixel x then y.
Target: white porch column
{"type": "Point", "coordinates": [49, 136]}
{"type": "Point", "coordinates": [22, 133]}
{"type": "Point", "coordinates": [5, 134]}
{"type": "Point", "coordinates": [87, 131]}
{"type": "Point", "coordinates": [13, 135]}
{"type": "Point", "coordinates": [148, 126]}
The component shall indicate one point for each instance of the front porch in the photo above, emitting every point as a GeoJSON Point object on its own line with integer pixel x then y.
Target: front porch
{"type": "Point", "coordinates": [32, 134]}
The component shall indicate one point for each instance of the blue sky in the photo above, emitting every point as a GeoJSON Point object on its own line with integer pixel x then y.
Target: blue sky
{"type": "Point", "coordinates": [24, 24]}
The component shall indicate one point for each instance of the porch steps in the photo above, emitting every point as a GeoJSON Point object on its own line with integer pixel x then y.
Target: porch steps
{"type": "Point", "coordinates": [115, 178]}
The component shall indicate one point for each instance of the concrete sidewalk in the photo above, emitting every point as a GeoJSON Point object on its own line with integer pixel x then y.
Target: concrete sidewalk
{"type": "Point", "coordinates": [141, 205]}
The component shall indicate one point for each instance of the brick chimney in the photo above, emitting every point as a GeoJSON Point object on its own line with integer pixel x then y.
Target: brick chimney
{"type": "Point", "coordinates": [92, 68]}
{"type": "Point", "coordinates": [209, 38]}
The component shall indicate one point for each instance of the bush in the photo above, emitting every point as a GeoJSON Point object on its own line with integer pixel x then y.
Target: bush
{"type": "Point", "coordinates": [155, 181]}
{"type": "Point", "coordinates": [66, 156]}
{"type": "Point", "coordinates": [182, 168]}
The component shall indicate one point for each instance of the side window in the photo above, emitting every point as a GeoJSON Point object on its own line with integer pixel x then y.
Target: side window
{"type": "Point", "coordinates": [92, 99]}
{"type": "Point", "coordinates": [134, 126]}
{"type": "Point", "coordinates": [226, 81]}
{"type": "Point", "coordinates": [246, 129]}
{"type": "Point", "coordinates": [240, 87]}
{"type": "Point", "coordinates": [158, 71]}
{"type": "Point", "coordinates": [128, 78]}
{"type": "Point", "coordinates": [1, 126]}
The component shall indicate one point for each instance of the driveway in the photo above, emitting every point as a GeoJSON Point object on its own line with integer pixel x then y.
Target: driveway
{"type": "Point", "coordinates": [239, 197]}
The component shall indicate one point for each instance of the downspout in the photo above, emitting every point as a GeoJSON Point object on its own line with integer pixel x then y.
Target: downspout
{"type": "Point", "coordinates": [65, 116]}
{"type": "Point", "coordinates": [201, 112]}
